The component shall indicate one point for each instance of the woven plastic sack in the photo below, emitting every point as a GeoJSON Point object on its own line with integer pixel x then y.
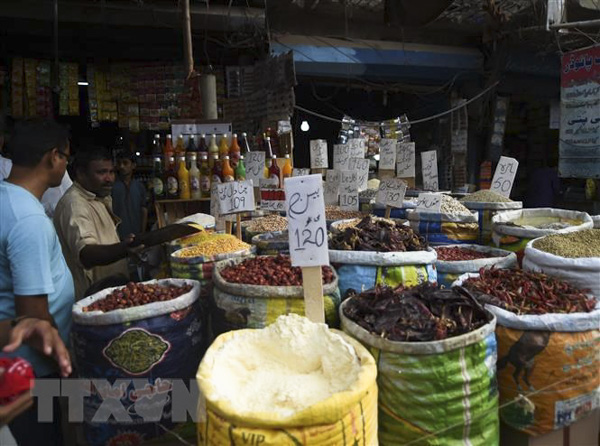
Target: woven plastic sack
{"type": "Point", "coordinates": [547, 368]}
{"type": "Point", "coordinates": [346, 418]}
{"type": "Point", "coordinates": [435, 393]}
{"type": "Point", "coordinates": [157, 343]}
{"type": "Point", "coordinates": [445, 229]}
{"type": "Point", "coordinates": [485, 213]}
{"type": "Point", "coordinates": [271, 243]}
{"type": "Point", "coordinates": [506, 235]}
{"type": "Point", "coordinates": [362, 270]}
{"type": "Point", "coordinates": [236, 306]}
{"type": "Point", "coordinates": [448, 272]}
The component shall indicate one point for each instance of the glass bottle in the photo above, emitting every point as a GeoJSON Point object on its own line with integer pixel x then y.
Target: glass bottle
{"type": "Point", "coordinates": [204, 176]}
{"type": "Point", "coordinates": [179, 148]}
{"type": "Point", "coordinates": [172, 183]}
{"type": "Point", "coordinates": [240, 170]}
{"type": "Point", "coordinates": [158, 187]}
{"type": "Point", "coordinates": [234, 151]}
{"type": "Point", "coordinates": [202, 147]}
{"type": "Point", "coordinates": [217, 171]}
{"type": "Point", "coordinates": [156, 148]}
{"type": "Point", "coordinates": [195, 191]}
{"type": "Point", "coordinates": [286, 172]}
{"type": "Point", "coordinates": [275, 172]}
{"type": "Point", "coordinates": [168, 148]}
{"type": "Point", "coordinates": [228, 172]}
{"type": "Point", "coordinates": [213, 150]}
{"type": "Point", "coordinates": [183, 178]}
{"type": "Point", "coordinates": [224, 146]}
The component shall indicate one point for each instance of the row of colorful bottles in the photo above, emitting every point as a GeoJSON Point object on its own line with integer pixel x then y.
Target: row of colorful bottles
{"type": "Point", "coordinates": [188, 180]}
{"type": "Point", "coordinates": [224, 148]}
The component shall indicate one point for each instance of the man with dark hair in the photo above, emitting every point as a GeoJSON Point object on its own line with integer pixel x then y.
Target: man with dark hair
{"type": "Point", "coordinates": [34, 278]}
{"type": "Point", "coordinates": [129, 198]}
{"type": "Point", "coordinates": [52, 195]}
{"type": "Point", "coordinates": [86, 224]}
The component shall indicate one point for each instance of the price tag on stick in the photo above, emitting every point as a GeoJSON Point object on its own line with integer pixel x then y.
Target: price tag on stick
{"type": "Point", "coordinates": [391, 194]}
{"type": "Point", "coordinates": [405, 160]}
{"type": "Point", "coordinates": [361, 167]}
{"type": "Point", "coordinates": [331, 192]}
{"type": "Point", "coordinates": [307, 230]}
{"type": "Point", "coordinates": [358, 147]}
{"type": "Point", "coordinates": [428, 202]}
{"type": "Point", "coordinates": [318, 154]}
{"type": "Point", "coordinates": [504, 176]}
{"type": "Point", "coordinates": [235, 197]}
{"type": "Point", "coordinates": [255, 166]}
{"type": "Point", "coordinates": [430, 170]}
{"type": "Point", "coordinates": [298, 172]}
{"type": "Point", "coordinates": [387, 154]}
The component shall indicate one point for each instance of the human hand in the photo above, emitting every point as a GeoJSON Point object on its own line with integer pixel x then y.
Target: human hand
{"type": "Point", "coordinates": [15, 408]}
{"type": "Point", "coordinates": [42, 336]}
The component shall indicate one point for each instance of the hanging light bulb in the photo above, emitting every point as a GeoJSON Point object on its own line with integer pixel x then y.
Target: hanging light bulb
{"type": "Point", "coordinates": [304, 126]}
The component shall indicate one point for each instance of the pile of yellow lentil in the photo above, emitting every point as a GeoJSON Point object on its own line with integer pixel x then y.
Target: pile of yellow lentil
{"type": "Point", "coordinates": [213, 244]}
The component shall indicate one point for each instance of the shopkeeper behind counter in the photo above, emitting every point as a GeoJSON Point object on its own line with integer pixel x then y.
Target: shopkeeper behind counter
{"type": "Point", "coordinates": [87, 226]}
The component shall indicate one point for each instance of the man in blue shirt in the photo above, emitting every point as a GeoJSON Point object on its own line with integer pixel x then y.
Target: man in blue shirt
{"type": "Point", "coordinates": [34, 278]}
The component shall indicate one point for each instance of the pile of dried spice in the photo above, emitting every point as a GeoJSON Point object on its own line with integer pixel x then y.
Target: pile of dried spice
{"type": "Point", "coordinates": [485, 196]}
{"type": "Point", "coordinates": [456, 254]}
{"type": "Point", "coordinates": [379, 236]}
{"type": "Point", "coordinates": [573, 245]}
{"type": "Point", "coordinates": [419, 314]}
{"type": "Point", "coordinates": [527, 292]}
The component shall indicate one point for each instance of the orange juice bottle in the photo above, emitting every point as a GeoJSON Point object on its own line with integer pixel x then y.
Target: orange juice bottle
{"type": "Point", "coordinates": [286, 172]}
{"type": "Point", "coordinates": [234, 151]}
{"type": "Point", "coordinates": [228, 172]}
{"type": "Point", "coordinates": [224, 147]}
{"type": "Point", "coordinates": [183, 179]}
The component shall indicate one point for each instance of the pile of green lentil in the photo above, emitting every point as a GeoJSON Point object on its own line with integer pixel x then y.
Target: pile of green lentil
{"type": "Point", "coordinates": [573, 245]}
{"type": "Point", "coordinates": [485, 196]}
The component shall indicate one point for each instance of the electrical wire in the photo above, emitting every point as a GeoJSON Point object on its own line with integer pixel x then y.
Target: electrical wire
{"type": "Point", "coordinates": [417, 121]}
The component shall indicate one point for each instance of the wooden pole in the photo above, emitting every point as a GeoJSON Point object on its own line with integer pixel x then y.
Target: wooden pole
{"type": "Point", "coordinates": [312, 281]}
{"type": "Point", "coordinates": [228, 226]}
{"type": "Point", "coordinates": [388, 211]}
{"type": "Point", "coordinates": [238, 226]}
{"type": "Point", "coordinates": [187, 39]}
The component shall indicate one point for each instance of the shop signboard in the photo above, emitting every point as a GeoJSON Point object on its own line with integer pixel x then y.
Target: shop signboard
{"type": "Point", "coordinates": [579, 146]}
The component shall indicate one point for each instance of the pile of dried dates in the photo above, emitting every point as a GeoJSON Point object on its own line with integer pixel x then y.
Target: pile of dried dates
{"type": "Point", "coordinates": [135, 294]}
{"type": "Point", "coordinates": [377, 235]}
{"type": "Point", "coordinates": [419, 314]}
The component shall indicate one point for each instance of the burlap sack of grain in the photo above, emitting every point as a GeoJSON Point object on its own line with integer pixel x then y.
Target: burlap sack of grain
{"type": "Point", "coordinates": [346, 418]}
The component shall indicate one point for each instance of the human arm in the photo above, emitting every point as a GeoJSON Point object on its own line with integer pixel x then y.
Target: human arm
{"type": "Point", "coordinates": [38, 333]}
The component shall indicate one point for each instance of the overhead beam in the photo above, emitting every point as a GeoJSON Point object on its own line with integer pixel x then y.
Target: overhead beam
{"type": "Point", "coordinates": [213, 17]}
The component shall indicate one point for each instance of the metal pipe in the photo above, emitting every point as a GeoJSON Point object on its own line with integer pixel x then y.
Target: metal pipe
{"type": "Point", "coordinates": [187, 38]}
{"type": "Point", "coordinates": [582, 24]}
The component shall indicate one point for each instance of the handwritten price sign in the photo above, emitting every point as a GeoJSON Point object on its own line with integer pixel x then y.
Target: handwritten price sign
{"type": "Point", "coordinates": [307, 228]}
{"type": "Point", "coordinates": [331, 191]}
{"type": "Point", "coordinates": [341, 156]}
{"type": "Point", "coordinates": [298, 172]}
{"type": "Point", "coordinates": [349, 190]}
{"type": "Point", "coordinates": [361, 167]}
{"type": "Point", "coordinates": [391, 192]}
{"type": "Point", "coordinates": [236, 196]}
{"type": "Point", "coordinates": [504, 176]}
{"type": "Point", "coordinates": [387, 154]}
{"type": "Point", "coordinates": [428, 202]}
{"type": "Point", "coordinates": [405, 160]}
{"type": "Point", "coordinates": [318, 154]}
{"type": "Point", "coordinates": [255, 167]}
{"type": "Point", "coordinates": [358, 147]}
{"type": "Point", "coordinates": [430, 170]}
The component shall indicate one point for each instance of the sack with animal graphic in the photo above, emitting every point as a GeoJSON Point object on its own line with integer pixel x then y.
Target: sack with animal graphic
{"type": "Point", "coordinates": [547, 368]}
{"type": "Point", "coordinates": [362, 270]}
{"type": "Point", "coordinates": [153, 343]}
{"type": "Point", "coordinates": [236, 306]}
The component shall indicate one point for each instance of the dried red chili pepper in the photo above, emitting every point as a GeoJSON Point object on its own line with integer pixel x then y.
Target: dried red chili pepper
{"type": "Point", "coordinates": [527, 292]}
